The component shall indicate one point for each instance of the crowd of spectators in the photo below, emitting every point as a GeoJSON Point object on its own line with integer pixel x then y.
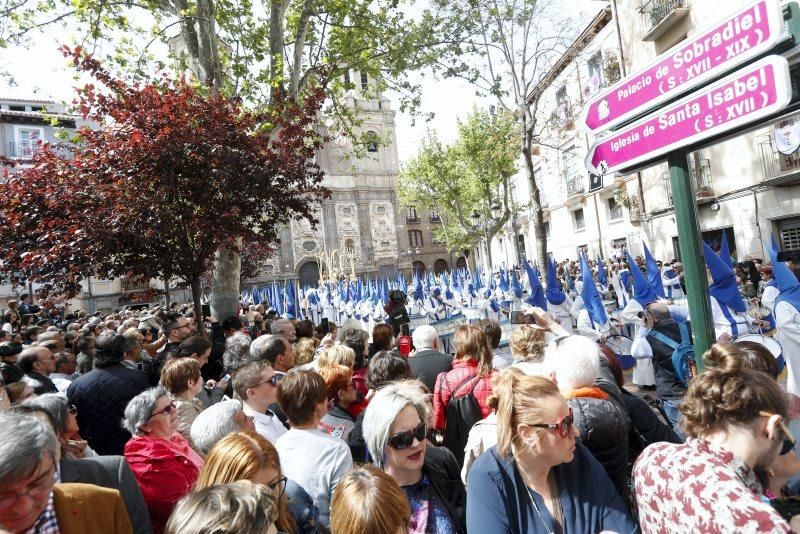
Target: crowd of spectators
{"type": "Point", "coordinates": [148, 421]}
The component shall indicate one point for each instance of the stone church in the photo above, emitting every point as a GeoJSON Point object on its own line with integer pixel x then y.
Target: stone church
{"type": "Point", "coordinates": [361, 224]}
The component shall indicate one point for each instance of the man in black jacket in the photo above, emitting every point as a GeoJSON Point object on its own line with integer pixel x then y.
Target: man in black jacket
{"type": "Point", "coordinates": [102, 394]}
{"type": "Point", "coordinates": [668, 386]}
{"type": "Point", "coordinates": [427, 362]}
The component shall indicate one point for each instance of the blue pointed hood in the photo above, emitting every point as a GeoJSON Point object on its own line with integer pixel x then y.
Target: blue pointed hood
{"type": "Point", "coordinates": [654, 274]}
{"type": "Point", "coordinates": [642, 291]}
{"type": "Point", "coordinates": [516, 287]}
{"type": "Point", "coordinates": [503, 280]}
{"type": "Point", "coordinates": [591, 298]}
{"type": "Point", "coordinates": [554, 293]}
{"type": "Point", "coordinates": [602, 275]}
{"type": "Point", "coordinates": [724, 288]}
{"type": "Point", "coordinates": [725, 250]}
{"type": "Point", "coordinates": [537, 297]}
{"type": "Point", "coordinates": [785, 279]}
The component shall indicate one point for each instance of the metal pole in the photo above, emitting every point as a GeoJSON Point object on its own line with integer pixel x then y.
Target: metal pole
{"type": "Point", "coordinates": [684, 200]}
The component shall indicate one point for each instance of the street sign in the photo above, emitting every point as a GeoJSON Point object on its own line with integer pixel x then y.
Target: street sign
{"type": "Point", "coordinates": [749, 33]}
{"type": "Point", "coordinates": [595, 182]}
{"type": "Point", "coordinates": [749, 94]}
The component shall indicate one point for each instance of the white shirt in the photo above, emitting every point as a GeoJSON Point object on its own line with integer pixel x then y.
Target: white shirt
{"type": "Point", "coordinates": [316, 461]}
{"type": "Point", "coordinates": [744, 323]}
{"type": "Point", "coordinates": [61, 380]}
{"type": "Point", "coordinates": [269, 426]}
{"type": "Point", "coordinates": [587, 329]}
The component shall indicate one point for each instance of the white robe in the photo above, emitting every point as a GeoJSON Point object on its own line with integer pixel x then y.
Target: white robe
{"type": "Point", "coordinates": [577, 306]}
{"type": "Point", "coordinates": [644, 373]}
{"type": "Point", "coordinates": [744, 323]}
{"type": "Point", "coordinates": [592, 331]}
{"type": "Point", "coordinates": [768, 298]}
{"type": "Point", "coordinates": [622, 294]}
{"type": "Point", "coordinates": [672, 287]}
{"type": "Point", "coordinates": [788, 320]}
{"type": "Point", "coordinates": [561, 313]}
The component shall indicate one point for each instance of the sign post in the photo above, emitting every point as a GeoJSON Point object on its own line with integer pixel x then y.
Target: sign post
{"type": "Point", "coordinates": [684, 191]}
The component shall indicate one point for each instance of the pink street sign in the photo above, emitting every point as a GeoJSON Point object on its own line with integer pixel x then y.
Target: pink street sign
{"type": "Point", "coordinates": [749, 33]}
{"type": "Point", "coordinates": [749, 94]}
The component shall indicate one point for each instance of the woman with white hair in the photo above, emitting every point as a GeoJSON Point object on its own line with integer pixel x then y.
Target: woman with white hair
{"type": "Point", "coordinates": [602, 422]}
{"type": "Point", "coordinates": [396, 433]}
{"type": "Point", "coordinates": [164, 464]}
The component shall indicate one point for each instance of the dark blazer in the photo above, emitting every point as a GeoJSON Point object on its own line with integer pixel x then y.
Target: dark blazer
{"type": "Point", "coordinates": [427, 364]}
{"type": "Point", "coordinates": [111, 472]}
{"type": "Point", "coordinates": [498, 500]}
{"type": "Point", "coordinates": [40, 383]}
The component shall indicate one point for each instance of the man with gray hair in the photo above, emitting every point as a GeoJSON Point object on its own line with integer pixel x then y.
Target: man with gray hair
{"type": "Point", "coordinates": [216, 422]}
{"type": "Point", "coordinates": [427, 362]}
{"type": "Point", "coordinates": [30, 498]}
{"type": "Point", "coordinates": [283, 328]}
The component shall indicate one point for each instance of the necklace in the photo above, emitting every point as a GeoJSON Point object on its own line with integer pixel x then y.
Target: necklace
{"type": "Point", "coordinates": [539, 513]}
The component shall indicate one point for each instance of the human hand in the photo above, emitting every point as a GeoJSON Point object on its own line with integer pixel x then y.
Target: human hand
{"type": "Point", "coordinates": [77, 447]}
{"type": "Point", "coordinates": [545, 321]}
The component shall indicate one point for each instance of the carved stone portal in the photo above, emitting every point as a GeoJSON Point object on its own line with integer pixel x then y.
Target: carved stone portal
{"type": "Point", "coordinates": [384, 235]}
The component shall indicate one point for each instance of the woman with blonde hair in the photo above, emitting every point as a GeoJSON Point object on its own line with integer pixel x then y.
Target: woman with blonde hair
{"type": "Point", "coordinates": [249, 456]}
{"type": "Point", "coordinates": [527, 346]}
{"type": "Point", "coordinates": [337, 355]}
{"type": "Point", "coordinates": [471, 375]}
{"type": "Point", "coordinates": [369, 501]}
{"type": "Point", "coordinates": [539, 478]}
{"type": "Point", "coordinates": [304, 350]}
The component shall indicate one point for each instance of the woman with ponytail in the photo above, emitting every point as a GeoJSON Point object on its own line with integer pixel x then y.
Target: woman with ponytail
{"type": "Point", "coordinates": [539, 478]}
{"type": "Point", "coordinates": [734, 416]}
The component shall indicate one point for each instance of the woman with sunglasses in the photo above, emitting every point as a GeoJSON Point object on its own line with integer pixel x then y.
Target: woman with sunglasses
{"type": "Point", "coordinates": [734, 417]}
{"type": "Point", "coordinates": [539, 478]}
{"type": "Point", "coordinates": [164, 464]}
{"type": "Point", "coordinates": [249, 456]}
{"type": "Point", "coordinates": [396, 435]}
{"type": "Point", "coordinates": [65, 421]}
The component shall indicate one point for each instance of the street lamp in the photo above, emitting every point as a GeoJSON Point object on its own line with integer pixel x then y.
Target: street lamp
{"type": "Point", "coordinates": [497, 211]}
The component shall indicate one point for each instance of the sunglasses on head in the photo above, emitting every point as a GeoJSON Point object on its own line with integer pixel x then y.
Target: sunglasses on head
{"type": "Point", "coordinates": [404, 440]}
{"type": "Point", "coordinates": [562, 427]}
{"type": "Point", "coordinates": [789, 442]}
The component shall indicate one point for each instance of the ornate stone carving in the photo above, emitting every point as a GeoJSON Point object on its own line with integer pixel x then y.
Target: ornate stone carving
{"type": "Point", "coordinates": [384, 235]}
{"type": "Point", "coordinates": [307, 241]}
{"type": "Point", "coordinates": [348, 235]}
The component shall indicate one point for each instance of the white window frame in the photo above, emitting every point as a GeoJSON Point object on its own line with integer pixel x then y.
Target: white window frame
{"type": "Point", "coordinates": [18, 128]}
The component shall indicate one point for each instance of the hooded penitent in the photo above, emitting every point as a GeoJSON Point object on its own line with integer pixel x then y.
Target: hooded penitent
{"type": "Point", "coordinates": [554, 293]}
{"type": "Point", "coordinates": [642, 291]}
{"type": "Point", "coordinates": [653, 274]}
{"type": "Point", "coordinates": [591, 298]}
{"type": "Point", "coordinates": [724, 287]}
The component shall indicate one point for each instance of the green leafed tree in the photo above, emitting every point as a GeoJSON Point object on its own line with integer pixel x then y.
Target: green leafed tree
{"type": "Point", "coordinates": [470, 175]}
{"type": "Point", "coordinates": [253, 50]}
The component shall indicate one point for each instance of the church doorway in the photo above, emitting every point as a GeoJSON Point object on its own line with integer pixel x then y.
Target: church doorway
{"type": "Point", "coordinates": [309, 274]}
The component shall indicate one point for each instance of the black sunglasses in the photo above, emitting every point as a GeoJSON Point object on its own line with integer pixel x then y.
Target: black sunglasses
{"type": "Point", "coordinates": [404, 440]}
{"type": "Point", "coordinates": [272, 380]}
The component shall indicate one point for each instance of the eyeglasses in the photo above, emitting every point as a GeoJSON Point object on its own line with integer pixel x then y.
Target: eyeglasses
{"type": "Point", "coordinates": [280, 483]}
{"type": "Point", "coordinates": [562, 427]}
{"type": "Point", "coordinates": [72, 409]}
{"type": "Point", "coordinates": [166, 411]}
{"type": "Point", "coordinates": [273, 380]}
{"type": "Point", "coordinates": [404, 440]}
{"type": "Point", "coordinates": [789, 442]}
{"type": "Point", "coordinates": [39, 488]}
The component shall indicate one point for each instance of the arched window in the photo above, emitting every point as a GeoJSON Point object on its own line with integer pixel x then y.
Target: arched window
{"type": "Point", "coordinates": [418, 267]}
{"type": "Point", "coordinates": [415, 238]}
{"type": "Point", "coordinates": [348, 247]}
{"type": "Point", "coordinates": [439, 266]}
{"type": "Point", "coordinates": [461, 262]}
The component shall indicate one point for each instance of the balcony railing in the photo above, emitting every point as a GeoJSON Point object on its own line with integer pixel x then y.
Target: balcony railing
{"type": "Point", "coordinates": [661, 15]}
{"type": "Point", "coordinates": [777, 168]}
{"type": "Point", "coordinates": [435, 218]}
{"type": "Point", "coordinates": [574, 185]}
{"type": "Point", "coordinates": [22, 150]}
{"type": "Point", "coordinates": [700, 170]}
{"type": "Point", "coordinates": [412, 220]}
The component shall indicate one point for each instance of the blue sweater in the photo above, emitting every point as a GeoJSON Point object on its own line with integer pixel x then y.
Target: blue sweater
{"type": "Point", "coordinates": [498, 502]}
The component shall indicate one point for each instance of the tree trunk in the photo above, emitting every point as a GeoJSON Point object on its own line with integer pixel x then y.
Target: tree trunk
{"type": "Point", "coordinates": [199, 320]}
{"type": "Point", "coordinates": [225, 292]}
{"type": "Point", "coordinates": [536, 202]}
{"type": "Point", "coordinates": [167, 296]}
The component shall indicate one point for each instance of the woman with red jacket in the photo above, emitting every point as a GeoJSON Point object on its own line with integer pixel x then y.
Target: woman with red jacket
{"type": "Point", "coordinates": [164, 464]}
{"type": "Point", "coordinates": [471, 373]}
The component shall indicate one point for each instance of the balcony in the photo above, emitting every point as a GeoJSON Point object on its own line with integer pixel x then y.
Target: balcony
{"type": "Point", "coordinates": [135, 283]}
{"type": "Point", "coordinates": [700, 170]}
{"type": "Point", "coordinates": [777, 168]}
{"type": "Point", "coordinates": [574, 185]}
{"type": "Point", "coordinates": [22, 150]}
{"type": "Point", "coordinates": [434, 218]}
{"type": "Point", "coordinates": [661, 15]}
